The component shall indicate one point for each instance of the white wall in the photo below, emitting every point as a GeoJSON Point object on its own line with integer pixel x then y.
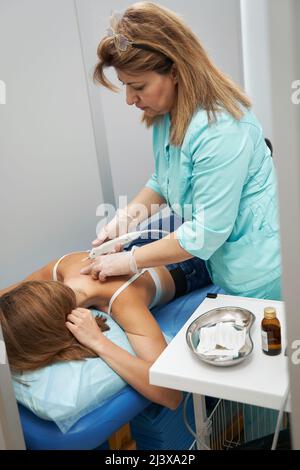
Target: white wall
{"type": "Point", "coordinates": [50, 184]}
{"type": "Point", "coordinates": [256, 59]}
{"type": "Point", "coordinates": [217, 23]}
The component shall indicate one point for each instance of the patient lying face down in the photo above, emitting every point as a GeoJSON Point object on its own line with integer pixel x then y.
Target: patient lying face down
{"type": "Point", "coordinates": [46, 321]}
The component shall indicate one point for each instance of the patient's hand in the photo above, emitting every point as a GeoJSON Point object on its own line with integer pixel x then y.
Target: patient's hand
{"type": "Point", "coordinates": [84, 327]}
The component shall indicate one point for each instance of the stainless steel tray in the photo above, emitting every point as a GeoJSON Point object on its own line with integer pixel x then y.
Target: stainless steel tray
{"type": "Point", "coordinates": [211, 318]}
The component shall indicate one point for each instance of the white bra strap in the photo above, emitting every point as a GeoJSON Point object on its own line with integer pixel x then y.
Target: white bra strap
{"type": "Point", "coordinates": [158, 288]}
{"type": "Point", "coordinates": [54, 271]}
{"type": "Point", "coordinates": [123, 287]}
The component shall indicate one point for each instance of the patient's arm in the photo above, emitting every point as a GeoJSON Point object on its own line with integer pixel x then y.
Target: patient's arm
{"type": "Point", "coordinates": [42, 274]}
{"type": "Point", "coordinates": [143, 331]}
{"type": "Point", "coordinates": [147, 343]}
{"type": "Point", "coordinates": [135, 371]}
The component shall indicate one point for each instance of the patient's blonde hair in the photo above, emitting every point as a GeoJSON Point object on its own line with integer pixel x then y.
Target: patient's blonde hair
{"type": "Point", "coordinates": [200, 83]}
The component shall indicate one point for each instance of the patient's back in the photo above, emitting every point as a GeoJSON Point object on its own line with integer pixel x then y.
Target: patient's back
{"type": "Point", "coordinates": [92, 292]}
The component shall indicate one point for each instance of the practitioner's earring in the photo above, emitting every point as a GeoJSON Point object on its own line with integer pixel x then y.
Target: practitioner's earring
{"type": "Point", "coordinates": [174, 74]}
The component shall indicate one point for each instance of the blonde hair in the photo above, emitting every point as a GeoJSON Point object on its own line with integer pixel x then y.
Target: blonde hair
{"type": "Point", "coordinates": [200, 83]}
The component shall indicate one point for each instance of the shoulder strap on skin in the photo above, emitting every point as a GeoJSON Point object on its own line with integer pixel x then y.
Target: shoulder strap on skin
{"type": "Point", "coordinates": [123, 287]}
{"type": "Point", "coordinates": [158, 288]}
{"type": "Point", "coordinates": [54, 271]}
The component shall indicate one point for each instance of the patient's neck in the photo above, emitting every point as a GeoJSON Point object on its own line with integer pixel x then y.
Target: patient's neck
{"type": "Point", "coordinates": [84, 290]}
{"type": "Point", "coordinates": [81, 297]}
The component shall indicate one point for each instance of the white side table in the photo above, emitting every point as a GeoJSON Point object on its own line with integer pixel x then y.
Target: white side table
{"type": "Point", "coordinates": [259, 380]}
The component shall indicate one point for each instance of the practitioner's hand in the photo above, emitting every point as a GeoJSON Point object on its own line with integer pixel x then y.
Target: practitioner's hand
{"type": "Point", "coordinates": [116, 264]}
{"type": "Point", "coordinates": [84, 327]}
{"type": "Point", "coordinates": [119, 225]}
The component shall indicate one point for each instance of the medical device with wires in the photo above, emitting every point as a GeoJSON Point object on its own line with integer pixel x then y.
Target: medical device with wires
{"type": "Point", "coordinates": [123, 240]}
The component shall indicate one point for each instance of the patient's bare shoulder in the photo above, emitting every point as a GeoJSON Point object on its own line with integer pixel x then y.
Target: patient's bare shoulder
{"type": "Point", "coordinates": [67, 266]}
{"type": "Point", "coordinates": [89, 292]}
{"type": "Point", "coordinates": [97, 293]}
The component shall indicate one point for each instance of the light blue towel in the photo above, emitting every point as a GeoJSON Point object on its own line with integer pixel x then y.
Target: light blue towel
{"type": "Point", "coordinates": [63, 392]}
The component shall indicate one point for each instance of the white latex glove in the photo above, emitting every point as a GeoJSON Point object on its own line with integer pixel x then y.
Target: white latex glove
{"type": "Point", "coordinates": [116, 264]}
{"type": "Point", "coordinates": [119, 225]}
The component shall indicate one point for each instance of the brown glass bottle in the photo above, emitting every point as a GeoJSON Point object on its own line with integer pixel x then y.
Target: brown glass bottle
{"type": "Point", "coordinates": [271, 332]}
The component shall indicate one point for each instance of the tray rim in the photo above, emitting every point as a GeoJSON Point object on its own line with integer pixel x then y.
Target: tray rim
{"type": "Point", "coordinates": [232, 361]}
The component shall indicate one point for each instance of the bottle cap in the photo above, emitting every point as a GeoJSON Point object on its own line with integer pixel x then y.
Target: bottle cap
{"type": "Point", "coordinates": [269, 313]}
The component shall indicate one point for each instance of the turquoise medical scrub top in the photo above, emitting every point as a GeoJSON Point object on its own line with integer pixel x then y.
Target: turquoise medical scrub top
{"type": "Point", "coordinates": [222, 182]}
